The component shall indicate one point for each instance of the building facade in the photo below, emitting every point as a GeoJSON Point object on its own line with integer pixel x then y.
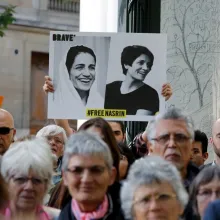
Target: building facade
{"type": "Point", "coordinates": [24, 58]}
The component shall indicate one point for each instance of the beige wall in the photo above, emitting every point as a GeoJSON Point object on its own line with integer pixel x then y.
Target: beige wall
{"type": "Point", "coordinates": [15, 71]}
{"type": "Point", "coordinates": [20, 3]}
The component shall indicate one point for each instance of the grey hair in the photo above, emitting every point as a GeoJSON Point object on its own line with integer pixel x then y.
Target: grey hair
{"type": "Point", "coordinates": [86, 143]}
{"type": "Point", "coordinates": [34, 154]}
{"type": "Point", "coordinates": [172, 114]}
{"type": "Point", "coordinates": [148, 171]}
{"type": "Point", "coordinates": [52, 130]}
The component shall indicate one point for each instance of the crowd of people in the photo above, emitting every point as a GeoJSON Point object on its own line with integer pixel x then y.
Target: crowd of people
{"type": "Point", "coordinates": [91, 173]}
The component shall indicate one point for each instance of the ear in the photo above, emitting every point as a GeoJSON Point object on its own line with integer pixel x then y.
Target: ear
{"type": "Point", "coordinates": [14, 132]}
{"type": "Point", "coordinates": [211, 140]}
{"type": "Point", "coordinates": [65, 179]}
{"type": "Point", "coordinates": [113, 174]}
{"type": "Point", "coordinates": [126, 66]}
{"type": "Point", "coordinates": [13, 135]}
{"type": "Point", "coordinates": [124, 137]}
{"type": "Point", "coordinates": [181, 209]}
{"type": "Point", "coordinates": [150, 147]}
{"type": "Point", "coordinates": [205, 156]}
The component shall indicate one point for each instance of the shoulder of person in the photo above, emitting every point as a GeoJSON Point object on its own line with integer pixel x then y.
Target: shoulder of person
{"type": "Point", "coordinates": [193, 168]}
{"type": "Point", "coordinates": [150, 89]}
{"type": "Point", "coordinates": [113, 84]}
{"type": "Point", "coordinates": [52, 212]}
{"type": "Point", "coordinates": [205, 165]}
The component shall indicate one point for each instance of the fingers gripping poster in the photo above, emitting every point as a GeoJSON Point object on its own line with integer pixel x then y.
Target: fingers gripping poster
{"type": "Point", "coordinates": [116, 76]}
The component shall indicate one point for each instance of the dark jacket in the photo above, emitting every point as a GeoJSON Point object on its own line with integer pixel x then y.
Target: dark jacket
{"type": "Point", "coordinates": [212, 211]}
{"type": "Point", "coordinates": [192, 171]}
{"type": "Point", "coordinates": [114, 212]}
{"type": "Point", "coordinates": [205, 165]}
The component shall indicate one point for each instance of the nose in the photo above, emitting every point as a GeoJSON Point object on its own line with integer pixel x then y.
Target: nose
{"type": "Point", "coordinates": [86, 176]}
{"type": "Point", "coordinates": [52, 142]}
{"type": "Point", "coordinates": [171, 142]}
{"type": "Point", "coordinates": [144, 66]}
{"type": "Point", "coordinates": [86, 72]}
{"type": "Point", "coordinates": [214, 196]}
{"type": "Point", "coordinates": [29, 185]}
{"type": "Point", "coordinates": [153, 205]}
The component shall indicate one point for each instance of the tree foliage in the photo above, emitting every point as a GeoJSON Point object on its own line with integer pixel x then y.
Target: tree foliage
{"type": "Point", "coordinates": [6, 18]}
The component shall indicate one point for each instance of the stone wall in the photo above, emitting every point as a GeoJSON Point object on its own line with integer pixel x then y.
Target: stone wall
{"type": "Point", "coordinates": [193, 29]}
{"type": "Point", "coordinates": [15, 72]}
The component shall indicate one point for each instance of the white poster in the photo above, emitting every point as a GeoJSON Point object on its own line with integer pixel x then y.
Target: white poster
{"type": "Point", "coordinates": [115, 76]}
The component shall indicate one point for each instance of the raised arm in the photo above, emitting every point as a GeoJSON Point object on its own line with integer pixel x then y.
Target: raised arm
{"type": "Point", "coordinates": [167, 91]}
{"type": "Point", "coordinates": [64, 123]}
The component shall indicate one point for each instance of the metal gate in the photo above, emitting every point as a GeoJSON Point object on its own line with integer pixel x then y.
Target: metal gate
{"type": "Point", "coordinates": [143, 16]}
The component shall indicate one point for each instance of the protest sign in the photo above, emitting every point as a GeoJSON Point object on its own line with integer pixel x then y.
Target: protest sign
{"type": "Point", "coordinates": [116, 76]}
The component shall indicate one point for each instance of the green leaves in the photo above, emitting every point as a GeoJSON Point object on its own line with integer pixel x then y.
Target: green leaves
{"type": "Point", "coordinates": [6, 18]}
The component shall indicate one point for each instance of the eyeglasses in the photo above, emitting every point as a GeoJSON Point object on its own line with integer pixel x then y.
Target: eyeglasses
{"type": "Point", "coordinates": [78, 171]}
{"type": "Point", "coordinates": [178, 138]}
{"type": "Point", "coordinates": [161, 198]}
{"type": "Point", "coordinates": [207, 194]}
{"type": "Point", "coordinates": [55, 139]}
{"type": "Point", "coordinates": [5, 130]}
{"type": "Point", "coordinates": [24, 180]}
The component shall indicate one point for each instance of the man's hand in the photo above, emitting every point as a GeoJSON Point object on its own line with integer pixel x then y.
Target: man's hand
{"type": "Point", "coordinates": [48, 85]}
{"type": "Point", "coordinates": [166, 91]}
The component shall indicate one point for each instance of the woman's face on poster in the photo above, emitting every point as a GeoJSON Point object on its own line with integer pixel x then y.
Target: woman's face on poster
{"type": "Point", "coordinates": [82, 73]}
{"type": "Point", "coordinates": [140, 67]}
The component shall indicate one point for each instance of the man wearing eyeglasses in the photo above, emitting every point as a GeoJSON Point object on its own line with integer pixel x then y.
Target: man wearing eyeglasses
{"type": "Point", "coordinates": [171, 136]}
{"type": "Point", "coordinates": [7, 130]}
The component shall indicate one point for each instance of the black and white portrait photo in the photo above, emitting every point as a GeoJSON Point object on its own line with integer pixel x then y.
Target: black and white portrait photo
{"type": "Point", "coordinates": [136, 73]}
{"type": "Point", "coordinates": [116, 75]}
{"type": "Point", "coordinates": [78, 68]}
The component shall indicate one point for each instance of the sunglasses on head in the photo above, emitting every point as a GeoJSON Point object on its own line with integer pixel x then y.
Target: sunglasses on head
{"type": "Point", "coordinates": [5, 130]}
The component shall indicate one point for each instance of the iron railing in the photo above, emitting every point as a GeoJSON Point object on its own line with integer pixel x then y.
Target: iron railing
{"type": "Point", "coordinates": [143, 16]}
{"type": "Point", "coordinates": [63, 6]}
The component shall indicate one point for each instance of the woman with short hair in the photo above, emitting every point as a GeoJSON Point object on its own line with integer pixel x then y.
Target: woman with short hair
{"type": "Point", "coordinates": [204, 189]}
{"type": "Point", "coordinates": [153, 190]}
{"type": "Point", "coordinates": [56, 137]}
{"type": "Point", "coordinates": [27, 169]}
{"type": "Point", "coordinates": [60, 195]}
{"type": "Point", "coordinates": [88, 171]}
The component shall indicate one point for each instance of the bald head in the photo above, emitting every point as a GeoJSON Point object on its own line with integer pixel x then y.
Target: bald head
{"type": "Point", "coordinates": [6, 118]}
{"type": "Point", "coordinates": [216, 127]}
{"type": "Point", "coordinates": [7, 130]}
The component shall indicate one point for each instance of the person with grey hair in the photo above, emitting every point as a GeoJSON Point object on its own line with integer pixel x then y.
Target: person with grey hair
{"type": "Point", "coordinates": [153, 190]}
{"type": "Point", "coordinates": [171, 136]}
{"type": "Point", "coordinates": [88, 171]}
{"type": "Point", "coordinates": [27, 169]}
{"type": "Point", "coordinates": [204, 189]}
{"type": "Point", "coordinates": [56, 137]}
